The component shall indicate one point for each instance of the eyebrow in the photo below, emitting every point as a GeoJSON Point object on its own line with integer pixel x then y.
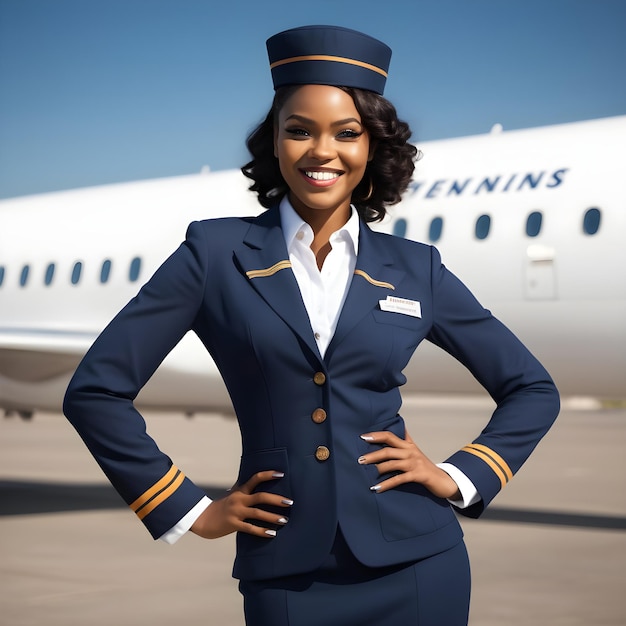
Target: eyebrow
{"type": "Point", "coordinates": [302, 118]}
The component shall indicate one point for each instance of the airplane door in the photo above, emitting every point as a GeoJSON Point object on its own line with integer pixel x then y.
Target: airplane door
{"type": "Point", "coordinates": [539, 275]}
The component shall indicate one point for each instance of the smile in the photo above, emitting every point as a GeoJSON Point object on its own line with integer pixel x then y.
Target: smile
{"type": "Point", "coordinates": [323, 178]}
{"type": "Point", "coordinates": [322, 175]}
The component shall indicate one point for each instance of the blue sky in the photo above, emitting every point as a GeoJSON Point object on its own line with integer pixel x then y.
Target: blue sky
{"type": "Point", "coordinates": [101, 91]}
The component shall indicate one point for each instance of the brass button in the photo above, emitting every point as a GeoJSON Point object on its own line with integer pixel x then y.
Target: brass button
{"type": "Point", "coordinates": [322, 453]}
{"type": "Point", "coordinates": [319, 378]}
{"type": "Point", "coordinates": [318, 416]}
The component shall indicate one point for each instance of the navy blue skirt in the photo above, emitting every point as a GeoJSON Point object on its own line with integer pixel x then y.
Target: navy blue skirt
{"type": "Point", "coordinates": [343, 592]}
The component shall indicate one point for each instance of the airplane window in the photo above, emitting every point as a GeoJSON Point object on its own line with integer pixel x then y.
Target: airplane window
{"type": "Point", "coordinates": [105, 271]}
{"type": "Point", "coordinates": [533, 224]}
{"type": "Point", "coordinates": [483, 223]}
{"type": "Point", "coordinates": [435, 230]}
{"type": "Point", "coordinates": [76, 271]}
{"type": "Point", "coordinates": [135, 268]}
{"type": "Point", "coordinates": [591, 221]}
{"type": "Point", "coordinates": [24, 275]}
{"type": "Point", "coordinates": [47, 280]}
{"type": "Point", "coordinates": [1, 275]}
{"type": "Point", "coordinates": [399, 227]}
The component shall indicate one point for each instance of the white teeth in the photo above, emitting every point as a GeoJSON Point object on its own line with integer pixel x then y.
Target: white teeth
{"type": "Point", "coordinates": [322, 175]}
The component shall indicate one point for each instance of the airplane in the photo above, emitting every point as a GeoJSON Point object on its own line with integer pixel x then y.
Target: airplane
{"type": "Point", "coordinates": [532, 220]}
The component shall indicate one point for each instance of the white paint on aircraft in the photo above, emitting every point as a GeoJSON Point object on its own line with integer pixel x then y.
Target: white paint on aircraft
{"type": "Point", "coordinates": [70, 260]}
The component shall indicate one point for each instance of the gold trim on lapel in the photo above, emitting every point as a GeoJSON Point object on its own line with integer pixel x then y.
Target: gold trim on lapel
{"type": "Point", "coordinates": [281, 265]}
{"type": "Point", "coordinates": [376, 283]}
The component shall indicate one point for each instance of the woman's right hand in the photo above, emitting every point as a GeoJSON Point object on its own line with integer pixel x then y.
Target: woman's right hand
{"type": "Point", "coordinates": [232, 512]}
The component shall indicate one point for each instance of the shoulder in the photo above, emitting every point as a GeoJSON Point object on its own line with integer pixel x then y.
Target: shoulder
{"type": "Point", "coordinates": [406, 250]}
{"type": "Point", "coordinates": [217, 234]}
{"type": "Point", "coordinates": [220, 227]}
{"type": "Point", "coordinates": [237, 227]}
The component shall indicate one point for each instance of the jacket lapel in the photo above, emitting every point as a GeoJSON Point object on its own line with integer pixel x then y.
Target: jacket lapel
{"type": "Point", "coordinates": [265, 261]}
{"type": "Point", "coordinates": [374, 279]}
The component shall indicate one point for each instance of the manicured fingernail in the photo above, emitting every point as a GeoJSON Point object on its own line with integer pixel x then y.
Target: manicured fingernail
{"type": "Point", "coordinates": [287, 502]}
{"type": "Point", "coordinates": [271, 533]}
{"type": "Point", "coordinates": [374, 487]}
{"type": "Point", "coordinates": [367, 438]}
{"type": "Point", "coordinates": [278, 474]}
{"type": "Point", "coordinates": [362, 460]}
{"type": "Point", "coordinates": [282, 520]}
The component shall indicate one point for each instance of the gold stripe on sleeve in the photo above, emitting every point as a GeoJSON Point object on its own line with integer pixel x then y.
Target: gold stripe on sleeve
{"type": "Point", "coordinates": [281, 265]}
{"type": "Point", "coordinates": [152, 491]}
{"type": "Point", "coordinates": [327, 57]}
{"type": "Point", "coordinates": [164, 495]}
{"type": "Point", "coordinates": [497, 470]}
{"type": "Point", "coordinates": [377, 283]}
{"type": "Point", "coordinates": [496, 457]}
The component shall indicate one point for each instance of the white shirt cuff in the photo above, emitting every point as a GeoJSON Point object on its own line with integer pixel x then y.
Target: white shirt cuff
{"type": "Point", "coordinates": [469, 493]}
{"type": "Point", "coordinates": [178, 530]}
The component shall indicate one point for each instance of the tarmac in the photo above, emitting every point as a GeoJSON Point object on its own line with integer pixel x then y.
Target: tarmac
{"type": "Point", "coordinates": [550, 550]}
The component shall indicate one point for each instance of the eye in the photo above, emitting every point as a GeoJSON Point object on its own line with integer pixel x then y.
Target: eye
{"type": "Point", "coordinates": [297, 131]}
{"type": "Point", "coordinates": [349, 134]}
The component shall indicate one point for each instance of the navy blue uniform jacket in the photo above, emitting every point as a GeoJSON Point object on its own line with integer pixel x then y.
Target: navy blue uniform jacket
{"type": "Point", "coordinates": [231, 282]}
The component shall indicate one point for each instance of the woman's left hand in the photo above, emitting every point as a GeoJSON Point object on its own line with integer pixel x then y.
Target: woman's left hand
{"type": "Point", "coordinates": [402, 455]}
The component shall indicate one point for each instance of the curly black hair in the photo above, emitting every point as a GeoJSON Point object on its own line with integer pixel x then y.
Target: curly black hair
{"type": "Point", "coordinates": [386, 177]}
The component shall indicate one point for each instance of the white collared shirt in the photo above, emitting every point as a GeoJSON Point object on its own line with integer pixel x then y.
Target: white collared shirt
{"type": "Point", "coordinates": [323, 291]}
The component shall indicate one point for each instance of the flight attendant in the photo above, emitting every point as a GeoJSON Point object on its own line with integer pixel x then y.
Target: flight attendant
{"type": "Point", "coordinates": [311, 318]}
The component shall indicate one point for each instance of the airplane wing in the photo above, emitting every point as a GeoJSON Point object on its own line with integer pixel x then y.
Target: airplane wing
{"type": "Point", "coordinates": [34, 355]}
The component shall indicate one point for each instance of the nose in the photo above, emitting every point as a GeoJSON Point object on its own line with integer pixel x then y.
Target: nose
{"type": "Point", "coordinates": [322, 148]}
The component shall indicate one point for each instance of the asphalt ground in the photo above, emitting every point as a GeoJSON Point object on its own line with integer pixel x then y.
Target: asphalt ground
{"type": "Point", "coordinates": [551, 549]}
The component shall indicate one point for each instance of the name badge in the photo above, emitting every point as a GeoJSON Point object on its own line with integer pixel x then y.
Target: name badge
{"type": "Point", "coordinates": [401, 305]}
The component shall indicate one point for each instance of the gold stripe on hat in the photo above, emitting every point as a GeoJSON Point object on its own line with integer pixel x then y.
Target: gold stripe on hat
{"type": "Point", "coordinates": [281, 265]}
{"type": "Point", "coordinates": [327, 57]}
{"type": "Point", "coordinates": [377, 283]}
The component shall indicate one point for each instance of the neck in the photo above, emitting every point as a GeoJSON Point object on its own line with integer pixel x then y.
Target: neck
{"type": "Point", "coordinates": [323, 222]}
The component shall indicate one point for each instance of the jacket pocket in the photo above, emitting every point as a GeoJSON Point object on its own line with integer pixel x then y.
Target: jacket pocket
{"type": "Point", "coordinates": [409, 510]}
{"type": "Point", "coordinates": [398, 319]}
{"type": "Point", "coordinates": [272, 459]}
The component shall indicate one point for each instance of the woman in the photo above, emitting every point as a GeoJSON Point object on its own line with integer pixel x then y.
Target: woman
{"type": "Point", "coordinates": [311, 318]}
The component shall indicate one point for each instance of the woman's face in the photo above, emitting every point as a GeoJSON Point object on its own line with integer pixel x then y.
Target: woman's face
{"type": "Point", "coordinates": [322, 148]}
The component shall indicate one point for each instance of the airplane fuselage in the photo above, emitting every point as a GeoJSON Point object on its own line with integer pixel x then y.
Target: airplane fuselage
{"type": "Point", "coordinates": [532, 221]}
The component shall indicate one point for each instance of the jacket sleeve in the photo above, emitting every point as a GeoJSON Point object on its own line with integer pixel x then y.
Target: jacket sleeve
{"type": "Point", "coordinates": [99, 399]}
{"type": "Point", "coordinates": [526, 397]}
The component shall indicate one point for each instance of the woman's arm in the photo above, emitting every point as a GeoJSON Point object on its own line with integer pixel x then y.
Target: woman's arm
{"type": "Point", "coordinates": [527, 400]}
{"type": "Point", "coordinates": [526, 397]}
{"type": "Point", "coordinates": [99, 399]}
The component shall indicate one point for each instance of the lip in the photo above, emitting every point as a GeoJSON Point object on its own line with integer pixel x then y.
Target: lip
{"type": "Point", "coordinates": [328, 182]}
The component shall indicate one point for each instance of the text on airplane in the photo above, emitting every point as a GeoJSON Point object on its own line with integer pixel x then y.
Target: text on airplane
{"type": "Point", "coordinates": [473, 186]}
